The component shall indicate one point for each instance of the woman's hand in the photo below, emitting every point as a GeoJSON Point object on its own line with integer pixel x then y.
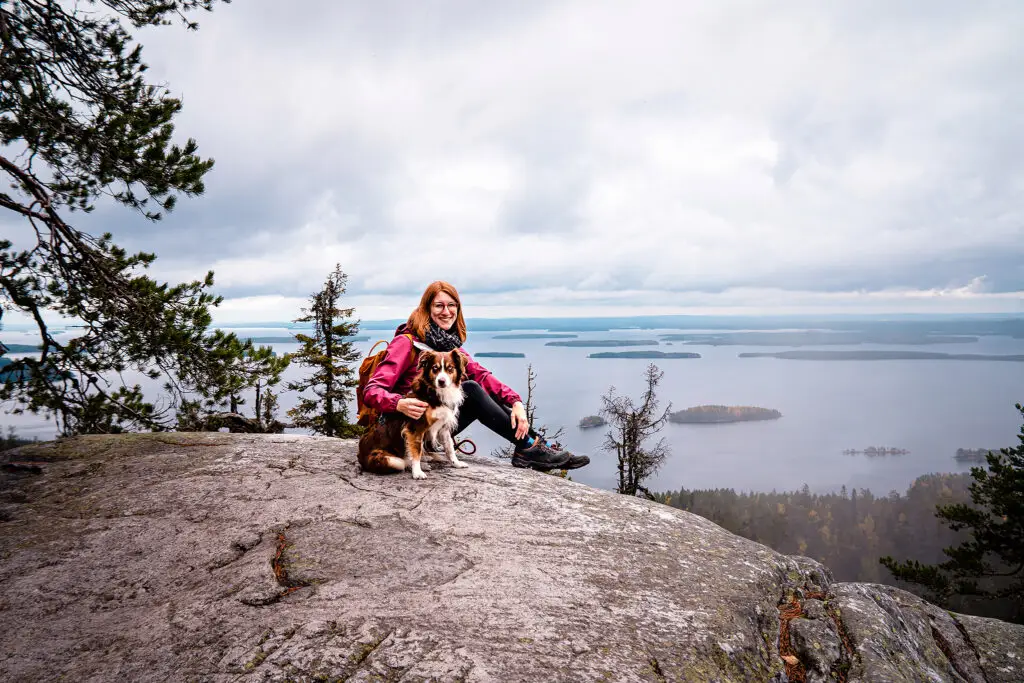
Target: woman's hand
{"type": "Point", "coordinates": [411, 407]}
{"type": "Point", "coordinates": [519, 421]}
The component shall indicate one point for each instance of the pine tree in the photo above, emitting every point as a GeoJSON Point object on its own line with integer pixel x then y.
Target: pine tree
{"type": "Point", "coordinates": [255, 368]}
{"type": "Point", "coordinates": [329, 353]}
{"type": "Point", "coordinates": [268, 411]}
{"type": "Point", "coordinates": [990, 564]}
{"type": "Point", "coordinates": [78, 122]}
{"type": "Point", "coordinates": [247, 368]}
{"type": "Point", "coordinates": [632, 426]}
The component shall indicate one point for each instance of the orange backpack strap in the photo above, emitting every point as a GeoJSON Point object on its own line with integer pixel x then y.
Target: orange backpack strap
{"type": "Point", "coordinates": [366, 414]}
{"type": "Point", "coordinates": [374, 347]}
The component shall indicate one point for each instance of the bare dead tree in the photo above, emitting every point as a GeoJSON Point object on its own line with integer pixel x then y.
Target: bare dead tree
{"type": "Point", "coordinates": [631, 427]}
{"type": "Point", "coordinates": [531, 417]}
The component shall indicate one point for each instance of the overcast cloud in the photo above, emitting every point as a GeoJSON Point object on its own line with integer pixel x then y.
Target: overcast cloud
{"type": "Point", "coordinates": [587, 157]}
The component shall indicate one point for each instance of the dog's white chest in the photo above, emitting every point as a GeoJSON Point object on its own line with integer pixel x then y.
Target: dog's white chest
{"type": "Point", "coordinates": [452, 397]}
{"type": "Point", "coordinates": [445, 419]}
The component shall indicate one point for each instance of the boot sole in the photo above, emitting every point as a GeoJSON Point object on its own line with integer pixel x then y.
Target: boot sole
{"type": "Point", "coordinates": [583, 461]}
{"type": "Point", "coordinates": [539, 466]}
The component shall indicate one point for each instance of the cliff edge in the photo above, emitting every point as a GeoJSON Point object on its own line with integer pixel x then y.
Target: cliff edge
{"type": "Point", "coordinates": [226, 557]}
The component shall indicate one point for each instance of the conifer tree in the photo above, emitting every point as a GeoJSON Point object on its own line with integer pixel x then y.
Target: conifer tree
{"type": "Point", "coordinates": [254, 368]}
{"type": "Point", "coordinates": [248, 368]}
{"type": "Point", "coordinates": [79, 122]}
{"type": "Point", "coordinates": [267, 410]}
{"type": "Point", "coordinates": [330, 353]}
{"type": "Point", "coordinates": [990, 563]}
{"type": "Point", "coordinates": [631, 427]}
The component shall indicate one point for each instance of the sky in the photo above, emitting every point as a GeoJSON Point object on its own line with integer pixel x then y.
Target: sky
{"type": "Point", "coordinates": [588, 157]}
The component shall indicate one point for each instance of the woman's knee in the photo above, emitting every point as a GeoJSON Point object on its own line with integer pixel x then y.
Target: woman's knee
{"type": "Point", "coordinates": [477, 400]}
{"type": "Point", "coordinates": [472, 389]}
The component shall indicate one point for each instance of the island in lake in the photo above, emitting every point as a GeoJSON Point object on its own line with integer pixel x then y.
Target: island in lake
{"type": "Point", "coordinates": [874, 451]}
{"type": "Point", "coordinates": [591, 421]}
{"type": "Point", "coordinates": [604, 342]}
{"type": "Point", "coordinates": [718, 414]}
{"type": "Point", "coordinates": [973, 454]}
{"type": "Point", "coordinates": [499, 354]}
{"type": "Point", "coordinates": [538, 335]}
{"type": "Point", "coordinates": [11, 371]}
{"type": "Point", "coordinates": [19, 348]}
{"type": "Point", "coordinates": [7, 373]}
{"type": "Point", "coordinates": [643, 354]}
{"type": "Point", "coordinates": [880, 355]}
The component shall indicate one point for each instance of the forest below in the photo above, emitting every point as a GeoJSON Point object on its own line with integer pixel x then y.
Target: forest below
{"type": "Point", "coordinates": [847, 531]}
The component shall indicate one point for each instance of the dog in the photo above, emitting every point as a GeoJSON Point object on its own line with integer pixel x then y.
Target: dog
{"type": "Point", "coordinates": [439, 385]}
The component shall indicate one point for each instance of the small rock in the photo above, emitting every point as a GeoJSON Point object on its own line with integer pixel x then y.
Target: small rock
{"type": "Point", "coordinates": [247, 541]}
{"type": "Point", "coordinates": [814, 609]}
{"type": "Point", "coordinates": [816, 643]}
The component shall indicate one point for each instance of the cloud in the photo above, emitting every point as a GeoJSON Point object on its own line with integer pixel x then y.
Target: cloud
{"type": "Point", "coordinates": [566, 302]}
{"type": "Point", "coordinates": [576, 155]}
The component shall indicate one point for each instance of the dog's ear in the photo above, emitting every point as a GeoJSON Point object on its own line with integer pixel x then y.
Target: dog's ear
{"type": "Point", "coordinates": [426, 359]}
{"type": "Point", "coordinates": [459, 361]}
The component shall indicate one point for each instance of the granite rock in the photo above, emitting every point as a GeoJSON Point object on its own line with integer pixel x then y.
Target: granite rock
{"type": "Point", "coordinates": [231, 557]}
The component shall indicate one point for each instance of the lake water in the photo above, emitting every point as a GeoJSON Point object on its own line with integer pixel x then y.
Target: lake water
{"type": "Point", "coordinates": [930, 407]}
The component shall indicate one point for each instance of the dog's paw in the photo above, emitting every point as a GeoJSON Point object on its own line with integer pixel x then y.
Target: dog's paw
{"type": "Point", "coordinates": [419, 475]}
{"type": "Point", "coordinates": [460, 465]}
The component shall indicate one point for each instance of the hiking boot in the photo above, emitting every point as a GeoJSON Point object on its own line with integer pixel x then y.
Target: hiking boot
{"type": "Point", "coordinates": [540, 455]}
{"type": "Point", "coordinates": [576, 462]}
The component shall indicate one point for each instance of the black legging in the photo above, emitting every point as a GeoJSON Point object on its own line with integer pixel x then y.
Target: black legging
{"type": "Point", "coordinates": [480, 406]}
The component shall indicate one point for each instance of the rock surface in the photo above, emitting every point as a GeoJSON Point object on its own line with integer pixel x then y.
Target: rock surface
{"type": "Point", "coordinates": [226, 557]}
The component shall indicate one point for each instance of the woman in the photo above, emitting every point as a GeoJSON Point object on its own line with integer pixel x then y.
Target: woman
{"type": "Point", "coordinates": [438, 323]}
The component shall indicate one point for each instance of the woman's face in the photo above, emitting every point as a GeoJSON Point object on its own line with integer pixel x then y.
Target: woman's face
{"type": "Point", "coordinates": [443, 310]}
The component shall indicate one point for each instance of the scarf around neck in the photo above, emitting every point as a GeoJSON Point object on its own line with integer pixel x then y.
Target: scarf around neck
{"type": "Point", "coordinates": [441, 340]}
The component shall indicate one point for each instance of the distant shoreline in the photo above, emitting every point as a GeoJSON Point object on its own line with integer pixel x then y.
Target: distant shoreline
{"type": "Point", "coordinates": [293, 340]}
{"type": "Point", "coordinates": [1007, 324]}
{"type": "Point", "coordinates": [535, 336]}
{"type": "Point", "coordinates": [604, 343]}
{"type": "Point", "coordinates": [819, 338]}
{"type": "Point", "coordinates": [644, 354]}
{"type": "Point", "coordinates": [499, 354]}
{"type": "Point", "coordinates": [879, 355]}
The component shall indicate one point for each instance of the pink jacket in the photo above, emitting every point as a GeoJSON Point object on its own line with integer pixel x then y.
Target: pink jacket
{"type": "Point", "coordinates": [394, 376]}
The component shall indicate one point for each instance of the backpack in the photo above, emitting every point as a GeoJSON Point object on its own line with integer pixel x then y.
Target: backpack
{"type": "Point", "coordinates": [368, 415]}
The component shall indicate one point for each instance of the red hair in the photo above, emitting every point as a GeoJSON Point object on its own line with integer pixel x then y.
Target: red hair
{"type": "Point", "coordinates": [419, 319]}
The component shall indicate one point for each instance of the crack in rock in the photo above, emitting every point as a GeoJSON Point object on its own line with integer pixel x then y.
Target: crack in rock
{"type": "Point", "coordinates": [947, 650]}
{"type": "Point", "coordinates": [970, 643]}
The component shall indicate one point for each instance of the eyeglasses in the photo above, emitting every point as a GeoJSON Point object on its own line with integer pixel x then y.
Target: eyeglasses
{"type": "Point", "coordinates": [451, 307]}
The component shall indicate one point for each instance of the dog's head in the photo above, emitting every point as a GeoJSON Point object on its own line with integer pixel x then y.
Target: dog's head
{"type": "Point", "coordinates": [442, 370]}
